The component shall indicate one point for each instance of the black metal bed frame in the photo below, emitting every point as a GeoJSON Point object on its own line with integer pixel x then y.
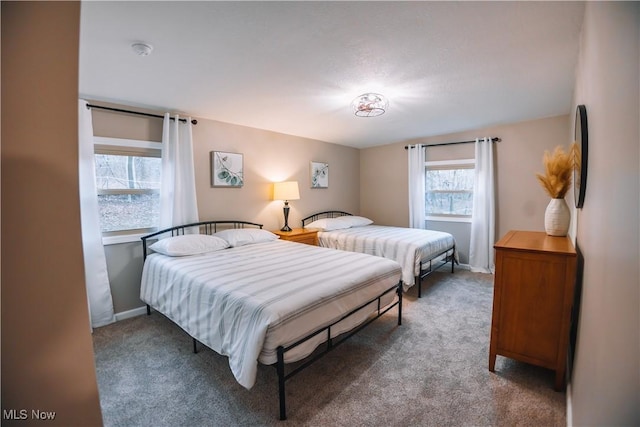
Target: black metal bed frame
{"type": "Point", "coordinates": [426, 266]}
{"type": "Point", "coordinates": [210, 227]}
{"type": "Point", "coordinates": [204, 227]}
{"type": "Point", "coordinates": [449, 256]}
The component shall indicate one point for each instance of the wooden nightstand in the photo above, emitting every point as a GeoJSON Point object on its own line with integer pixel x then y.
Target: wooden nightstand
{"type": "Point", "coordinates": [300, 235]}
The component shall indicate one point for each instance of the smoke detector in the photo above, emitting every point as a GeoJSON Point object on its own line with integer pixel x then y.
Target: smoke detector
{"type": "Point", "coordinates": [142, 49]}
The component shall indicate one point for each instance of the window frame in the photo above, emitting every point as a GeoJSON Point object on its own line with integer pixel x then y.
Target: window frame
{"type": "Point", "coordinates": [448, 164]}
{"type": "Point", "coordinates": [126, 147]}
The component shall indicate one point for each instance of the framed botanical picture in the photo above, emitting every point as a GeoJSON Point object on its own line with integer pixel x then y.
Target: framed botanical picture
{"type": "Point", "coordinates": [319, 175]}
{"type": "Point", "coordinates": [226, 169]}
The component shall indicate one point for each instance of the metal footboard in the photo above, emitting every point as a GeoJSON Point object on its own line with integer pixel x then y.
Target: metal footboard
{"type": "Point", "coordinates": [331, 343]}
{"type": "Point", "coordinates": [427, 267]}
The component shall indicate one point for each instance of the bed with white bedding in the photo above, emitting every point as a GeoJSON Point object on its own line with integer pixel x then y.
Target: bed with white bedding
{"type": "Point", "coordinates": [418, 251]}
{"type": "Point", "coordinates": [259, 299]}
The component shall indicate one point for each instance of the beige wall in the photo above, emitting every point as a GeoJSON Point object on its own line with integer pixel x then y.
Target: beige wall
{"type": "Point", "coordinates": [605, 387]}
{"type": "Point", "coordinates": [268, 157]}
{"type": "Point", "coordinates": [47, 353]}
{"type": "Point", "coordinates": [521, 201]}
{"type": "Point", "coordinates": [127, 126]}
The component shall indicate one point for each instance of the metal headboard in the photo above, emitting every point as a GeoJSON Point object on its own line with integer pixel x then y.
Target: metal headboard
{"type": "Point", "coordinates": [204, 227]}
{"type": "Point", "coordinates": [326, 214]}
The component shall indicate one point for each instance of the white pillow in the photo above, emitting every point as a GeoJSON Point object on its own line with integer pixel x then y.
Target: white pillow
{"type": "Point", "coordinates": [189, 244]}
{"type": "Point", "coordinates": [355, 221]}
{"type": "Point", "coordinates": [347, 221]}
{"type": "Point", "coordinates": [328, 224]}
{"type": "Point", "coordinates": [246, 236]}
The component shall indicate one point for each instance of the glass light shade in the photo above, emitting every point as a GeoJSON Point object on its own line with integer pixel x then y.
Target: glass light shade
{"type": "Point", "coordinates": [287, 190]}
{"type": "Point", "coordinates": [370, 105]}
{"type": "Point", "coordinates": [142, 49]}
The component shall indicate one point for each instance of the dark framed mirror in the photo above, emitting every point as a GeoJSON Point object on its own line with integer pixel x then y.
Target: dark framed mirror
{"type": "Point", "coordinates": [581, 135]}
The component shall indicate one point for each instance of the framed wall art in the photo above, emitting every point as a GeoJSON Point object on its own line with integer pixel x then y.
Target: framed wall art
{"type": "Point", "coordinates": [319, 175]}
{"type": "Point", "coordinates": [227, 169]}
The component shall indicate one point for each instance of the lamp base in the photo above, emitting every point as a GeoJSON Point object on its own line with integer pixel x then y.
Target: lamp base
{"type": "Point", "coordinates": [286, 217]}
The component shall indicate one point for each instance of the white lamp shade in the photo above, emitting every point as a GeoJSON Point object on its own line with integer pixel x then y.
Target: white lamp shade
{"type": "Point", "coordinates": [287, 190]}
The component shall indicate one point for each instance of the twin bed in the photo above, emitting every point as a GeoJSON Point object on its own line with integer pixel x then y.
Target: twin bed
{"type": "Point", "coordinates": [247, 295]}
{"type": "Point", "coordinates": [419, 252]}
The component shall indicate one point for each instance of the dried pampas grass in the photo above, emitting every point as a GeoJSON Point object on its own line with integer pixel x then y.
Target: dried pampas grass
{"type": "Point", "coordinates": [558, 171]}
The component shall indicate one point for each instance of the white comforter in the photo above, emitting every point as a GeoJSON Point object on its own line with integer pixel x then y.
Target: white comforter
{"type": "Point", "coordinates": [407, 246]}
{"type": "Point", "coordinates": [244, 302]}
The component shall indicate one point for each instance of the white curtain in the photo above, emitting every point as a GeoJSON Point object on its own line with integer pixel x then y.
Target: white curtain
{"type": "Point", "coordinates": [483, 220]}
{"type": "Point", "coordinates": [95, 263]}
{"type": "Point", "coordinates": [178, 203]}
{"type": "Point", "coordinates": [416, 155]}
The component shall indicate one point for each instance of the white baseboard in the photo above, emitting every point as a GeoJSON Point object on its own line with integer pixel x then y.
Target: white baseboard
{"type": "Point", "coordinates": [131, 313]}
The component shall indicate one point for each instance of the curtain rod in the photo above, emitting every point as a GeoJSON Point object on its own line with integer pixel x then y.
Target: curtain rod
{"type": "Point", "coordinates": [119, 110]}
{"type": "Point", "coordinates": [495, 139]}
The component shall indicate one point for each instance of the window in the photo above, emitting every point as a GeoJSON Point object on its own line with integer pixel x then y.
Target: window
{"type": "Point", "coordinates": [128, 176]}
{"type": "Point", "coordinates": [449, 190]}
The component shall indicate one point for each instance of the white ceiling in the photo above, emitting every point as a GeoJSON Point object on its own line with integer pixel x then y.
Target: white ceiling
{"type": "Point", "coordinates": [295, 67]}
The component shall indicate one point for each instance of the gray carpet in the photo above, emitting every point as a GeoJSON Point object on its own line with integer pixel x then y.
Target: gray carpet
{"type": "Point", "coordinates": [431, 371]}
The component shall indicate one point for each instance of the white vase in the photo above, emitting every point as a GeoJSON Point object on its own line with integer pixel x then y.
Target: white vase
{"type": "Point", "coordinates": [557, 217]}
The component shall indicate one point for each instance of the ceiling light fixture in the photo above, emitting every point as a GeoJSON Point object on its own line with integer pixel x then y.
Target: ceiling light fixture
{"type": "Point", "coordinates": [370, 105]}
{"type": "Point", "coordinates": [142, 49]}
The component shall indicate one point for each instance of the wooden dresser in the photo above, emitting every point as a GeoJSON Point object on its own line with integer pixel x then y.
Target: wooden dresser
{"type": "Point", "coordinates": [532, 299]}
{"type": "Point", "coordinates": [300, 235]}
